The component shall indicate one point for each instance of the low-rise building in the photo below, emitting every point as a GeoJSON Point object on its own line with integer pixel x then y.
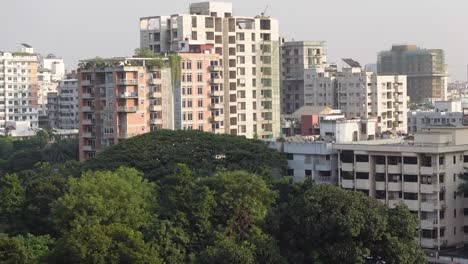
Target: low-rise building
{"type": "Point", "coordinates": [421, 173]}
{"type": "Point", "coordinates": [445, 113]}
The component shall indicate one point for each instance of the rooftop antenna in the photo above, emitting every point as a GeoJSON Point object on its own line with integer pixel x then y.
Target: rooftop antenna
{"type": "Point", "coordinates": [264, 11]}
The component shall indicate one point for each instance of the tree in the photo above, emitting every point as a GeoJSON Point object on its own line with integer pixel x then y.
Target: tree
{"type": "Point", "coordinates": [27, 249]}
{"type": "Point", "coordinates": [104, 197]}
{"type": "Point", "coordinates": [144, 53]}
{"type": "Point", "coordinates": [11, 199]}
{"type": "Point", "coordinates": [95, 243]}
{"type": "Point", "coordinates": [325, 224]}
{"type": "Point", "coordinates": [43, 186]}
{"type": "Point", "coordinates": [243, 200]}
{"type": "Point", "coordinates": [227, 250]}
{"type": "Point", "coordinates": [13, 250]}
{"type": "Point", "coordinates": [157, 154]}
{"type": "Point", "coordinates": [185, 210]}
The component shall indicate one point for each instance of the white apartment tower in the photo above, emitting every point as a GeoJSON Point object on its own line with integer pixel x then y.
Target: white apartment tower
{"type": "Point", "coordinates": [18, 87]}
{"type": "Point", "coordinates": [250, 60]}
{"type": "Point", "coordinates": [296, 57]}
{"type": "Point", "coordinates": [360, 94]}
{"type": "Point", "coordinates": [422, 173]}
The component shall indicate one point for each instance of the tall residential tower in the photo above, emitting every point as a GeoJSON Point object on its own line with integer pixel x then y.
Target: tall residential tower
{"type": "Point", "coordinates": [250, 61]}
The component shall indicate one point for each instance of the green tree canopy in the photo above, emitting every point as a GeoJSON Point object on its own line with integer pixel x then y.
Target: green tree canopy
{"type": "Point", "coordinates": [94, 243]}
{"type": "Point", "coordinates": [326, 224]}
{"type": "Point", "coordinates": [104, 197]}
{"type": "Point", "coordinates": [27, 249]}
{"type": "Point", "coordinates": [158, 153]}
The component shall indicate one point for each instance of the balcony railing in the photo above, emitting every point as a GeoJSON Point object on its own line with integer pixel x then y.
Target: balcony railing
{"type": "Point", "coordinates": [87, 109]}
{"type": "Point", "coordinates": [127, 82]}
{"type": "Point", "coordinates": [127, 109]}
{"type": "Point", "coordinates": [128, 95]}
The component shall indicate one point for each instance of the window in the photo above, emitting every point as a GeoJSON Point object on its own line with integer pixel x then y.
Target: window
{"type": "Point", "coordinates": [393, 160]}
{"type": "Point", "coordinates": [189, 90]}
{"type": "Point", "coordinates": [454, 159]}
{"type": "Point", "coordinates": [290, 172]}
{"type": "Point", "coordinates": [410, 160]}
{"type": "Point", "coordinates": [455, 213]}
{"type": "Point", "coordinates": [362, 158]}
{"type": "Point", "coordinates": [347, 156]}
{"type": "Point", "coordinates": [410, 178]}
{"type": "Point", "coordinates": [189, 65]}
{"type": "Point", "coordinates": [200, 90]}
{"type": "Point", "coordinates": [380, 160]}
{"type": "Point", "coordinates": [200, 77]}
{"type": "Point", "coordinates": [200, 115]}
{"type": "Point", "coordinates": [200, 102]}
{"type": "Point", "coordinates": [410, 196]}
{"type": "Point", "coordinates": [362, 175]}
{"type": "Point", "coordinates": [465, 211]}
{"type": "Point", "coordinates": [441, 160]}
{"type": "Point", "coordinates": [189, 77]}
{"type": "Point", "coordinates": [347, 175]}
{"type": "Point", "coordinates": [308, 174]}
{"type": "Point", "coordinates": [199, 65]}
{"type": "Point", "coordinates": [289, 156]}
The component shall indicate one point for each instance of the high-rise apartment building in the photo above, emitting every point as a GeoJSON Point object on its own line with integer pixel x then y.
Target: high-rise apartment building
{"type": "Point", "coordinates": [425, 70]}
{"type": "Point", "coordinates": [250, 61]}
{"type": "Point", "coordinates": [420, 173]}
{"type": "Point", "coordinates": [51, 72]}
{"type": "Point", "coordinates": [18, 87]}
{"type": "Point", "coordinates": [120, 98]}
{"type": "Point", "coordinates": [359, 94]}
{"type": "Point", "coordinates": [62, 106]}
{"type": "Point", "coordinates": [296, 57]}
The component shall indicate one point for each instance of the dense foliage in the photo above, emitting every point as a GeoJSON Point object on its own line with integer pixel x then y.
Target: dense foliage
{"type": "Point", "coordinates": [22, 154]}
{"type": "Point", "coordinates": [207, 210]}
{"type": "Point", "coordinates": [157, 153]}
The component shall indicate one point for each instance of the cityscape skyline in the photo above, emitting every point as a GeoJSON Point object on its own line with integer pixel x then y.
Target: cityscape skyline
{"type": "Point", "coordinates": [373, 27]}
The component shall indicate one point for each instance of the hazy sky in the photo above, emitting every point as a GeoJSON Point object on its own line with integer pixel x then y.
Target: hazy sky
{"type": "Point", "coordinates": [83, 29]}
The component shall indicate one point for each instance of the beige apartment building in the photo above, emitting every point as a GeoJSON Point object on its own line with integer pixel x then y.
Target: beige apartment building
{"type": "Point", "coordinates": [18, 87]}
{"type": "Point", "coordinates": [250, 62]}
{"type": "Point", "coordinates": [359, 94]}
{"type": "Point", "coordinates": [296, 57]}
{"type": "Point", "coordinates": [420, 173]}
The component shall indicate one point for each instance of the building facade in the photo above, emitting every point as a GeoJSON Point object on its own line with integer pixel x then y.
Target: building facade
{"type": "Point", "coordinates": [250, 59]}
{"type": "Point", "coordinates": [19, 87]}
{"type": "Point", "coordinates": [120, 98]}
{"type": "Point", "coordinates": [62, 106]}
{"type": "Point", "coordinates": [424, 68]}
{"type": "Point", "coordinates": [421, 173]}
{"type": "Point", "coordinates": [296, 57]}
{"type": "Point", "coordinates": [360, 94]}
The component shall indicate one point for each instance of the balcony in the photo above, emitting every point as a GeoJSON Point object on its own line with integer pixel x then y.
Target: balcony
{"type": "Point", "coordinates": [429, 223]}
{"type": "Point", "coordinates": [88, 122]}
{"type": "Point", "coordinates": [323, 167]}
{"type": "Point", "coordinates": [89, 135]}
{"type": "Point", "coordinates": [394, 186]}
{"type": "Point", "coordinates": [412, 187]}
{"type": "Point", "coordinates": [412, 204]}
{"type": "Point", "coordinates": [347, 184]}
{"type": "Point", "coordinates": [215, 68]}
{"type": "Point", "coordinates": [89, 148]}
{"type": "Point", "coordinates": [155, 81]}
{"type": "Point", "coordinates": [155, 95]}
{"type": "Point", "coordinates": [362, 166]}
{"type": "Point", "coordinates": [410, 169]}
{"type": "Point", "coordinates": [128, 95]}
{"type": "Point", "coordinates": [394, 169]}
{"type": "Point", "coordinates": [428, 188]}
{"type": "Point", "coordinates": [347, 166]}
{"type": "Point", "coordinates": [380, 186]}
{"type": "Point", "coordinates": [156, 121]}
{"type": "Point", "coordinates": [362, 184]}
{"type": "Point", "coordinates": [428, 242]}
{"type": "Point", "coordinates": [216, 81]}
{"type": "Point", "coordinates": [155, 108]}
{"type": "Point", "coordinates": [87, 109]}
{"type": "Point", "coordinates": [380, 168]}
{"type": "Point", "coordinates": [87, 96]}
{"type": "Point", "coordinates": [87, 82]}
{"type": "Point", "coordinates": [127, 82]}
{"type": "Point", "coordinates": [428, 206]}
{"type": "Point", "coordinates": [127, 109]}
{"type": "Point", "coordinates": [427, 170]}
